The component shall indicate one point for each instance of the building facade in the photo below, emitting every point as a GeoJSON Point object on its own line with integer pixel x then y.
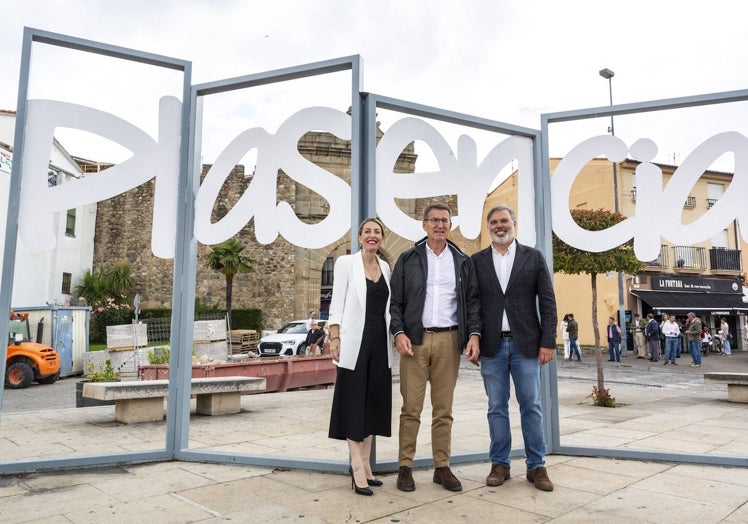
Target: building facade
{"type": "Point", "coordinates": [707, 278]}
{"type": "Point", "coordinates": [48, 278]}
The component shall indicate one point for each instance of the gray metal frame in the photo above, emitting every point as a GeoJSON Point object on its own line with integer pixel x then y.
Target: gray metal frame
{"type": "Point", "coordinates": [542, 220]}
{"type": "Point", "coordinates": [180, 316]}
{"type": "Point", "coordinates": [363, 170]}
{"type": "Point", "coordinates": [624, 109]}
{"type": "Point", "coordinates": [352, 63]}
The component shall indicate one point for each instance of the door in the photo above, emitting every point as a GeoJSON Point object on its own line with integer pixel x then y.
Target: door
{"type": "Point", "coordinates": [62, 339]}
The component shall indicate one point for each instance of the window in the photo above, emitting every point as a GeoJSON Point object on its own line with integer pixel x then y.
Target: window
{"type": "Point", "coordinates": [70, 223]}
{"type": "Point", "coordinates": [52, 178]}
{"type": "Point", "coordinates": [327, 271]}
{"type": "Point", "coordinates": [67, 279]}
{"type": "Point", "coordinates": [720, 239]}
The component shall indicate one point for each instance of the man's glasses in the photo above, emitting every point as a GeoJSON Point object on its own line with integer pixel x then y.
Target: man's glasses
{"type": "Point", "coordinates": [434, 221]}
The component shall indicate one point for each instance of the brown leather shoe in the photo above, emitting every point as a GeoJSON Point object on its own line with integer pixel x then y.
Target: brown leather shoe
{"type": "Point", "coordinates": [445, 477]}
{"type": "Point", "coordinates": [539, 477]}
{"type": "Point", "coordinates": [499, 473]}
{"type": "Point", "coordinates": [405, 479]}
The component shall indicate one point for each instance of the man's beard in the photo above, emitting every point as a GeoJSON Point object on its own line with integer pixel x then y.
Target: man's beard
{"type": "Point", "coordinates": [506, 238]}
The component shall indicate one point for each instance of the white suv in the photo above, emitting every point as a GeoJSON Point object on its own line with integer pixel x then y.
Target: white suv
{"type": "Point", "coordinates": [290, 340]}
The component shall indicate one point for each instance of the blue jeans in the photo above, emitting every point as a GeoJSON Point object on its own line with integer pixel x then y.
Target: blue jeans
{"type": "Point", "coordinates": [671, 348]}
{"type": "Point", "coordinates": [574, 347]}
{"type": "Point", "coordinates": [525, 373]}
{"type": "Point", "coordinates": [726, 347]}
{"type": "Point", "coordinates": [614, 350]}
{"type": "Point", "coordinates": [694, 348]}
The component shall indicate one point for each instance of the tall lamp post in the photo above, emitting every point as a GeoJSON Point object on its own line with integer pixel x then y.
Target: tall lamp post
{"type": "Point", "coordinates": [608, 75]}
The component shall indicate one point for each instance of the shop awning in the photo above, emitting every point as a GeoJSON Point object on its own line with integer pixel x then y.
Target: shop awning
{"type": "Point", "coordinates": [684, 302]}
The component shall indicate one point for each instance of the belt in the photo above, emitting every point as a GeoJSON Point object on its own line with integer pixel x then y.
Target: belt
{"type": "Point", "coordinates": [506, 334]}
{"type": "Point", "coordinates": [439, 329]}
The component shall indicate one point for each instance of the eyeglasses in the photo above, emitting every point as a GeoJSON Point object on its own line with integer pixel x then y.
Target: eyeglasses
{"type": "Point", "coordinates": [434, 221]}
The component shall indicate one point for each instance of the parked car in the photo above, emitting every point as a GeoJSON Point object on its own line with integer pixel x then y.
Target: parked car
{"type": "Point", "coordinates": [288, 341]}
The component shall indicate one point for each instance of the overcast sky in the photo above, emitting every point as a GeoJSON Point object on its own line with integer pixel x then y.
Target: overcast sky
{"type": "Point", "coordinates": [508, 60]}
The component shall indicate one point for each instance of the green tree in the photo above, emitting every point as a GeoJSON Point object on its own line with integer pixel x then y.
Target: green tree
{"type": "Point", "coordinates": [573, 261]}
{"type": "Point", "coordinates": [227, 258]}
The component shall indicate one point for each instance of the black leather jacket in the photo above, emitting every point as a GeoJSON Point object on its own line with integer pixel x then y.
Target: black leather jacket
{"type": "Point", "coordinates": [408, 285]}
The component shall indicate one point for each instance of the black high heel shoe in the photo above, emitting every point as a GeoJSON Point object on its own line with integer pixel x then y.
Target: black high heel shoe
{"type": "Point", "coordinates": [371, 482]}
{"type": "Point", "coordinates": [360, 491]}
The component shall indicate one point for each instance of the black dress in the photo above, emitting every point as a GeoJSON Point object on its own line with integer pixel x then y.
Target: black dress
{"type": "Point", "coordinates": [362, 402]}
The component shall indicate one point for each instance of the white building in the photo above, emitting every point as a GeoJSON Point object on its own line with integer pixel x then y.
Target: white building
{"type": "Point", "coordinates": [48, 277]}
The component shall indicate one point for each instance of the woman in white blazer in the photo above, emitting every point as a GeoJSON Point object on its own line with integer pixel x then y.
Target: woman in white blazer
{"type": "Point", "coordinates": [360, 344]}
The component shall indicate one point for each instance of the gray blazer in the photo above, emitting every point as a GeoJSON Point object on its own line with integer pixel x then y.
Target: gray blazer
{"type": "Point", "coordinates": [529, 301]}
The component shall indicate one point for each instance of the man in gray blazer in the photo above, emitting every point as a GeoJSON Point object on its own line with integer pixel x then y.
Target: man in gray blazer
{"type": "Point", "coordinates": [518, 313]}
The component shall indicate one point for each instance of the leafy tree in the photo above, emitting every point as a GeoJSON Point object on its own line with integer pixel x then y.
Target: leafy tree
{"type": "Point", "coordinates": [573, 261]}
{"type": "Point", "coordinates": [227, 259]}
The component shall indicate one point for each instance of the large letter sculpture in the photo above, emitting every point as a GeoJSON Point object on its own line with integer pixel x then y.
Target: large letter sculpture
{"type": "Point", "coordinates": [457, 175]}
{"type": "Point", "coordinates": [259, 200]}
{"type": "Point", "coordinates": [151, 158]}
{"type": "Point", "coordinates": [658, 210]}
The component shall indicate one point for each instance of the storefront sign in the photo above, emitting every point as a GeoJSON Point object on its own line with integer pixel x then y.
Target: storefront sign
{"type": "Point", "coordinates": [671, 283]}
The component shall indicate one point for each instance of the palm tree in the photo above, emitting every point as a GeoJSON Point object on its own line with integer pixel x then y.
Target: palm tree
{"type": "Point", "coordinates": [92, 287]}
{"type": "Point", "coordinates": [105, 283]}
{"type": "Point", "coordinates": [227, 259]}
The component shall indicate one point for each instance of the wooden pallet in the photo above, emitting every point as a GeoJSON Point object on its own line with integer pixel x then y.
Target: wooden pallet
{"type": "Point", "coordinates": [243, 340]}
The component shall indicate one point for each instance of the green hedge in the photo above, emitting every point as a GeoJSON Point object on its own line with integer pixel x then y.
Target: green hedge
{"type": "Point", "coordinates": [107, 317]}
{"type": "Point", "coordinates": [247, 319]}
{"type": "Point", "coordinates": [240, 318]}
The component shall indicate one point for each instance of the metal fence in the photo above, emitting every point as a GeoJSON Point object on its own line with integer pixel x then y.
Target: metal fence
{"type": "Point", "coordinates": [159, 329]}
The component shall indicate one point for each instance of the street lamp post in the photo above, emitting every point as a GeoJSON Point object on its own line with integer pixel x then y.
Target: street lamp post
{"type": "Point", "coordinates": [608, 75]}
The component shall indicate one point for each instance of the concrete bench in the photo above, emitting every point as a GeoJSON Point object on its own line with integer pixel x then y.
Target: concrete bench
{"type": "Point", "coordinates": [143, 400]}
{"type": "Point", "coordinates": [737, 384]}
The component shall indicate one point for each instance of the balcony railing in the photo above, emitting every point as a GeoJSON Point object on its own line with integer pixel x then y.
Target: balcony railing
{"type": "Point", "coordinates": [710, 202]}
{"type": "Point", "coordinates": [660, 261]}
{"type": "Point", "coordinates": [723, 259]}
{"type": "Point", "coordinates": [689, 203]}
{"type": "Point", "coordinates": [687, 257]}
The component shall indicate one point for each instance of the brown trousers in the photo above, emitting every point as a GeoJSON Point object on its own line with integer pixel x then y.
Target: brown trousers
{"type": "Point", "coordinates": [437, 361]}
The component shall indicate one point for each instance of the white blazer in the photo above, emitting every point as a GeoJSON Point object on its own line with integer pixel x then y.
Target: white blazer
{"type": "Point", "coordinates": [348, 306]}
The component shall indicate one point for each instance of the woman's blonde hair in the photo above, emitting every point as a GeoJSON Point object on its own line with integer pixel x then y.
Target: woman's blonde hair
{"type": "Point", "coordinates": [370, 219]}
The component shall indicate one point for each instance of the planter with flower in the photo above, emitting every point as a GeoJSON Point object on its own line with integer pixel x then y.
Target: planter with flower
{"type": "Point", "coordinates": [105, 373]}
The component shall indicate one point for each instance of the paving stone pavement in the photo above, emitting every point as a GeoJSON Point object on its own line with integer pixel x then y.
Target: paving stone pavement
{"type": "Point", "coordinates": [660, 408]}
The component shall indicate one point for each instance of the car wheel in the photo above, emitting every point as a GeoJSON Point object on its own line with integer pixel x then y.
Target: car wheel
{"type": "Point", "coordinates": [51, 379]}
{"type": "Point", "coordinates": [19, 375]}
{"type": "Point", "coordinates": [301, 351]}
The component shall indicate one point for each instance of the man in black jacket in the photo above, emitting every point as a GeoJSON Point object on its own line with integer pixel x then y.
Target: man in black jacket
{"type": "Point", "coordinates": [315, 337]}
{"type": "Point", "coordinates": [435, 313]}
{"type": "Point", "coordinates": [518, 310]}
